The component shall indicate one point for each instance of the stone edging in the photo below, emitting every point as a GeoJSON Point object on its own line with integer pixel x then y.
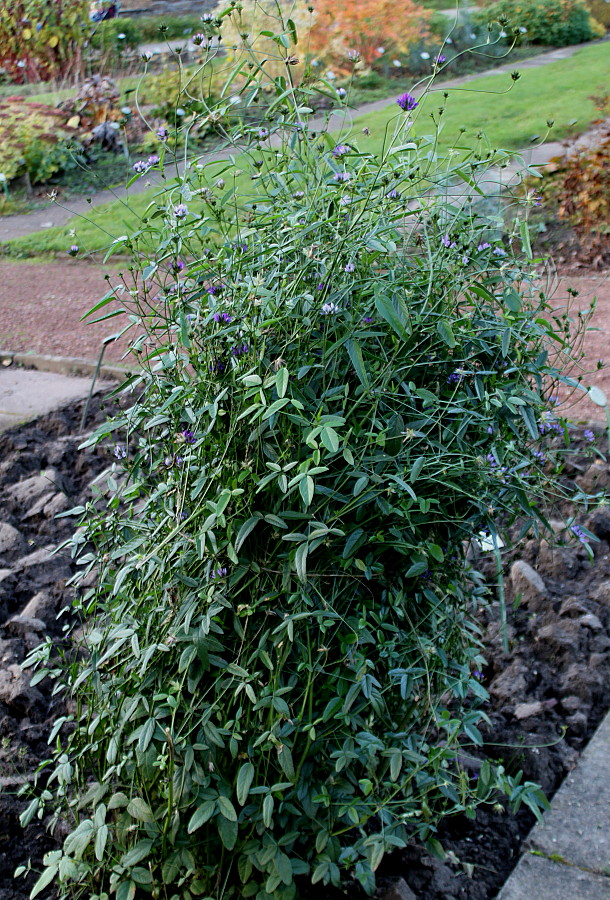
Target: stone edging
{"type": "Point", "coordinates": [63, 365]}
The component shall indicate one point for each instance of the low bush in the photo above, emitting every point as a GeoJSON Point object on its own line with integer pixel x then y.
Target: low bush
{"type": "Point", "coordinates": [345, 376]}
{"type": "Point", "coordinates": [600, 10]}
{"type": "Point", "coordinates": [41, 40]}
{"type": "Point", "coordinates": [113, 36]}
{"type": "Point", "coordinates": [174, 27]}
{"type": "Point", "coordinates": [553, 22]}
{"type": "Point", "coordinates": [35, 140]}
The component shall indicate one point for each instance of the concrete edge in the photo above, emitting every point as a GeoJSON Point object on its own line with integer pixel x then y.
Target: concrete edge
{"type": "Point", "coordinates": [63, 365]}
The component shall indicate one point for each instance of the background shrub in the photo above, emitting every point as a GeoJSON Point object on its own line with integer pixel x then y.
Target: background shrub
{"type": "Point", "coordinates": [600, 10]}
{"type": "Point", "coordinates": [553, 22]}
{"type": "Point", "coordinates": [35, 140]}
{"type": "Point", "coordinates": [41, 40]}
{"type": "Point", "coordinates": [345, 375]}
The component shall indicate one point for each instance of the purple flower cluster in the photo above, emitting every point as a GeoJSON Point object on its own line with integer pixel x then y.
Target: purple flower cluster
{"type": "Point", "coordinates": [349, 267]}
{"type": "Point", "coordinates": [223, 317]}
{"type": "Point", "coordinates": [539, 455]}
{"type": "Point", "coordinates": [219, 573]}
{"type": "Point", "coordinates": [119, 451]}
{"type": "Point", "coordinates": [340, 150]}
{"type": "Point", "coordinates": [342, 177]}
{"type": "Point", "coordinates": [329, 309]}
{"type": "Point", "coordinates": [198, 38]}
{"type": "Point", "coordinates": [239, 350]}
{"type": "Point", "coordinates": [181, 211]}
{"type": "Point", "coordinates": [455, 378]}
{"type": "Point", "coordinates": [188, 436]}
{"type": "Point", "coordinates": [447, 242]}
{"type": "Point", "coordinates": [162, 133]}
{"type": "Point", "coordinates": [579, 533]}
{"type": "Point", "coordinates": [588, 435]}
{"type": "Point", "coordinates": [484, 246]}
{"type": "Point", "coordinates": [407, 102]}
{"type": "Point", "coordinates": [73, 250]}
{"type": "Point", "coordinates": [393, 194]}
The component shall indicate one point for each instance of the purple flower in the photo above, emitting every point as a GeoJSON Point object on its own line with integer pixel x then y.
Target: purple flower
{"type": "Point", "coordinates": [239, 350]}
{"type": "Point", "coordinates": [262, 134]}
{"type": "Point", "coordinates": [490, 429]}
{"type": "Point", "coordinates": [340, 150]}
{"type": "Point", "coordinates": [119, 451]}
{"type": "Point", "coordinates": [539, 455]}
{"type": "Point", "coordinates": [140, 167]}
{"type": "Point", "coordinates": [477, 674]}
{"type": "Point", "coordinates": [393, 194]}
{"type": "Point", "coordinates": [178, 265]}
{"type": "Point", "coordinates": [207, 17]}
{"type": "Point", "coordinates": [447, 242]}
{"type": "Point", "coordinates": [198, 38]}
{"type": "Point", "coordinates": [484, 246]}
{"type": "Point", "coordinates": [440, 59]}
{"type": "Point", "coordinates": [349, 267]}
{"type": "Point", "coordinates": [219, 573]}
{"type": "Point", "coordinates": [218, 366]}
{"type": "Point", "coordinates": [73, 250]}
{"type": "Point", "coordinates": [455, 378]}
{"type": "Point", "coordinates": [188, 436]}
{"type": "Point", "coordinates": [342, 177]}
{"type": "Point", "coordinates": [498, 251]}
{"type": "Point", "coordinates": [181, 210]}
{"type": "Point", "coordinates": [588, 434]}
{"type": "Point", "coordinates": [162, 133]}
{"type": "Point", "coordinates": [223, 317]}
{"type": "Point", "coordinates": [579, 533]}
{"type": "Point", "coordinates": [298, 195]}
{"type": "Point", "coordinates": [407, 102]}
{"type": "Point", "coordinates": [491, 459]}
{"type": "Point", "coordinates": [341, 93]}
{"type": "Point", "coordinates": [366, 320]}
{"type": "Point", "coordinates": [152, 160]}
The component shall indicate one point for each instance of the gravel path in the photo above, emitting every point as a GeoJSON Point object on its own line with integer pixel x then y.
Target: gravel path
{"type": "Point", "coordinates": [41, 305]}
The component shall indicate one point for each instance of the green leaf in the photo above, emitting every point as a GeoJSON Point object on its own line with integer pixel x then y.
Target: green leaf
{"type": "Point", "coordinates": [446, 332]}
{"type": "Point", "coordinates": [387, 310]}
{"type": "Point", "coordinates": [244, 782]}
{"type": "Point", "coordinates": [44, 881]}
{"type": "Point", "coordinates": [148, 729]}
{"type": "Point", "coordinates": [228, 831]}
{"type": "Point", "coordinates": [202, 815]}
{"type": "Point", "coordinates": [267, 810]}
{"type": "Point", "coordinates": [530, 421]}
{"type": "Point", "coordinates": [330, 439]}
{"type": "Point", "coordinates": [248, 526]}
{"type": "Point", "coordinates": [416, 469]}
{"type": "Point", "coordinates": [281, 382]}
{"type": "Point", "coordinates": [300, 561]}
{"type": "Point", "coordinates": [139, 809]}
{"type": "Point", "coordinates": [226, 808]}
{"type": "Point", "coordinates": [137, 853]}
{"type": "Point", "coordinates": [100, 842]}
{"type": "Point", "coordinates": [307, 488]}
{"type": "Point", "coordinates": [285, 758]}
{"type": "Point", "coordinates": [126, 890]}
{"type": "Point", "coordinates": [355, 354]}
{"type": "Point", "coordinates": [597, 395]}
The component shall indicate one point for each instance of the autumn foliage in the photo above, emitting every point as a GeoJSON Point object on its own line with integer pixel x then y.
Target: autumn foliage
{"type": "Point", "coordinates": [369, 27]}
{"type": "Point", "coordinates": [40, 39]}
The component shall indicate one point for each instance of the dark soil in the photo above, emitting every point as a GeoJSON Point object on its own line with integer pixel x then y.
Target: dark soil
{"type": "Point", "coordinates": [547, 694]}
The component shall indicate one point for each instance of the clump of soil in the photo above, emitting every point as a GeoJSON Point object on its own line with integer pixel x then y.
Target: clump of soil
{"type": "Point", "coordinates": [547, 693]}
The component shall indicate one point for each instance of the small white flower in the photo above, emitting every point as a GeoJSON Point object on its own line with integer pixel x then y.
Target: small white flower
{"type": "Point", "coordinates": [397, 63]}
{"type": "Point", "coordinates": [448, 40]}
{"type": "Point", "coordinates": [121, 36]}
{"type": "Point", "coordinates": [502, 34]}
{"type": "Point", "coordinates": [315, 63]}
{"type": "Point", "coordinates": [524, 30]}
{"type": "Point", "coordinates": [425, 55]}
{"type": "Point", "coordinates": [381, 50]}
{"type": "Point", "coordinates": [329, 309]}
{"type": "Point", "coordinates": [473, 36]}
{"type": "Point", "coordinates": [330, 75]}
{"type": "Point", "coordinates": [147, 55]}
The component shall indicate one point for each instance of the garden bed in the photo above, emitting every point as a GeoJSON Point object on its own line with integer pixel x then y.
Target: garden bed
{"type": "Point", "coordinates": [555, 677]}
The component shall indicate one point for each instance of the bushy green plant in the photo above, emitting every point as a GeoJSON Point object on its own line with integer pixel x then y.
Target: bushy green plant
{"type": "Point", "coordinates": [553, 22]}
{"type": "Point", "coordinates": [600, 10]}
{"type": "Point", "coordinates": [35, 140]}
{"type": "Point", "coordinates": [346, 374]}
{"type": "Point", "coordinates": [116, 35]}
{"type": "Point", "coordinates": [160, 28]}
{"type": "Point", "coordinates": [41, 40]}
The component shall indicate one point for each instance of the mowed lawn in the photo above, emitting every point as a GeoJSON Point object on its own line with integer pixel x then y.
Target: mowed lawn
{"type": "Point", "coordinates": [511, 115]}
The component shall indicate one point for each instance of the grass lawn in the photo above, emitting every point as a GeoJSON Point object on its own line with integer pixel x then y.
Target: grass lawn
{"type": "Point", "coordinates": [559, 91]}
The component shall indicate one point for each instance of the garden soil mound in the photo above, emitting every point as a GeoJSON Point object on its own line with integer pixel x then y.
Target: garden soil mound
{"type": "Point", "coordinates": [547, 694]}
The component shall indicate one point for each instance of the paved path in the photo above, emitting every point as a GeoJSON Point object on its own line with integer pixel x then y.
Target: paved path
{"type": "Point", "coordinates": [569, 853]}
{"type": "Point", "coordinates": [26, 394]}
{"type": "Point", "coordinates": [20, 225]}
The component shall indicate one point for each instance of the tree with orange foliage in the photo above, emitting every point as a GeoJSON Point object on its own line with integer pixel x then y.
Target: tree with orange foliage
{"type": "Point", "coordinates": [366, 26]}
